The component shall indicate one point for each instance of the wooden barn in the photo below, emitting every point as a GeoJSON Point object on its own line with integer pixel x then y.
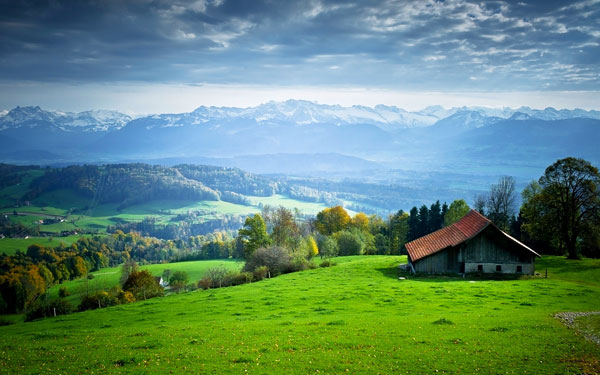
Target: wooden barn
{"type": "Point", "coordinates": [473, 244]}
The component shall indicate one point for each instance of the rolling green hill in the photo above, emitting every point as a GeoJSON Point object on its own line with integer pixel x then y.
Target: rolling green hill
{"type": "Point", "coordinates": [92, 198]}
{"type": "Point", "coordinates": [107, 278]}
{"type": "Point", "coordinates": [355, 317]}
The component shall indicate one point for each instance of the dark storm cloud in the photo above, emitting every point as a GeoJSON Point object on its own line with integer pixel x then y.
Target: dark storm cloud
{"type": "Point", "coordinates": [417, 45]}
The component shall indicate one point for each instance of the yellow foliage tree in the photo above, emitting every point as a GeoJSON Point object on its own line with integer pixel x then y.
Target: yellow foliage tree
{"type": "Point", "coordinates": [332, 220]}
{"type": "Point", "coordinates": [311, 244]}
{"type": "Point", "coordinates": [361, 221]}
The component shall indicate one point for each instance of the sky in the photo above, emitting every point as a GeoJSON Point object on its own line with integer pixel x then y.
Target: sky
{"type": "Point", "coordinates": [142, 56]}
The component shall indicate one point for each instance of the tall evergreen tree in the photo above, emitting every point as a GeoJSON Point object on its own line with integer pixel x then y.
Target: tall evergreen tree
{"type": "Point", "coordinates": [423, 228]}
{"type": "Point", "coordinates": [413, 224]}
{"type": "Point", "coordinates": [436, 220]}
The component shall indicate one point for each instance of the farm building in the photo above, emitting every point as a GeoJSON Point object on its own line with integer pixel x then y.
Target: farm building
{"type": "Point", "coordinates": [473, 244]}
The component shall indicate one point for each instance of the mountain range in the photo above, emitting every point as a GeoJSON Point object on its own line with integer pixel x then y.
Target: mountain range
{"type": "Point", "coordinates": [286, 137]}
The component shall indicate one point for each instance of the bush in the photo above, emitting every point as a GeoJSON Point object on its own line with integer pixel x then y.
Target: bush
{"type": "Point", "coordinates": [299, 263]}
{"type": "Point", "coordinates": [260, 273]}
{"type": "Point", "coordinates": [63, 292]}
{"type": "Point", "coordinates": [238, 278]}
{"type": "Point", "coordinates": [205, 283]}
{"type": "Point", "coordinates": [124, 297]}
{"type": "Point", "coordinates": [90, 276]}
{"type": "Point", "coordinates": [98, 300]}
{"type": "Point", "coordinates": [178, 280]}
{"type": "Point", "coordinates": [349, 243]}
{"type": "Point", "coordinates": [143, 285]}
{"type": "Point", "coordinates": [326, 263]}
{"type": "Point", "coordinates": [216, 275]}
{"type": "Point", "coordinates": [275, 258]}
{"type": "Point", "coordinates": [43, 310]}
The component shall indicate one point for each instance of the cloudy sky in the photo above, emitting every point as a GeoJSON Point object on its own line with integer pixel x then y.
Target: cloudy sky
{"type": "Point", "coordinates": [166, 56]}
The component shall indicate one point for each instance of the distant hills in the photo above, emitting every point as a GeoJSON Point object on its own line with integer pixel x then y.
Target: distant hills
{"type": "Point", "coordinates": [303, 137]}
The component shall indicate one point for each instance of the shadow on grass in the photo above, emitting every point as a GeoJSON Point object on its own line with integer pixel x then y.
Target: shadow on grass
{"type": "Point", "coordinates": [395, 273]}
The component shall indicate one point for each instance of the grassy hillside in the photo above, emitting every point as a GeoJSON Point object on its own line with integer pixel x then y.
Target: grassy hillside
{"type": "Point", "coordinates": [10, 246]}
{"type": "Point", "coordinates": [106, 278]}
{"type": "Point", "coordinates": [356, 317]}
{"type": "Point", "coordinates": [83, 198]}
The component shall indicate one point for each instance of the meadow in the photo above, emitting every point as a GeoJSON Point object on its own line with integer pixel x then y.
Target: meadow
{"type": "Point", "coordinates": [107, 278]}
{"type": "Point", "coordinates": [355, 317]}
{"type": "Point", "coordinates": [10, 246]}
{"type": "Point", "coordinates": [81, 214]}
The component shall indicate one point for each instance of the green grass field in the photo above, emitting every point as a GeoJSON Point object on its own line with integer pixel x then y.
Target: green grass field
{"type": "Point", "coordinates": [355, 317]}
{"type": "Point", "coordinates": [10, 246]}
{"type": "Point", "coordinates": [106, 278]}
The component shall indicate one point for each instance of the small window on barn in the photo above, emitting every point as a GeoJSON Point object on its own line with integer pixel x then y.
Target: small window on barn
{"type": "Point", "coordinates": [519, 268]}
{"type": "Point", "coordinates": [498, 268]}
{"type": "Point", "coordinates": [480, 267]}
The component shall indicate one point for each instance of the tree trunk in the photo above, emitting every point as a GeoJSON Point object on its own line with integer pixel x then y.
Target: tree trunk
{"type": "Point", "coordinates": [572, 249]}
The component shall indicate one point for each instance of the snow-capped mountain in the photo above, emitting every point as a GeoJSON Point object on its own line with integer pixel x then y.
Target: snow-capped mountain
{"type": "Point", "coordinates": [303, 112]}
{"type": "Point", "coordinates": [384, 133]}
{"type": "Point", "coordinates": [88, 121]}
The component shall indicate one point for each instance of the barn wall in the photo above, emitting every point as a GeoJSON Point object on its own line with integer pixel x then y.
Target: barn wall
{"type": "Point", "coordinates": [491, 249]}
{"type": "Point", "coordinates": [445, 261]}
{"type": "Point", "coordinates": [506, 268]}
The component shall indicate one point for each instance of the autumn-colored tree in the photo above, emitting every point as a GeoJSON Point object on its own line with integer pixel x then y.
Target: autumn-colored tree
{"type": "Point", "coordinates": [311, 244]}
{"type": "Point", "coordinates": [361, 222]}
{"type": "Point", "coordinates": [332, 220]}
{"type": "Point", "coordinates": [143, 285]}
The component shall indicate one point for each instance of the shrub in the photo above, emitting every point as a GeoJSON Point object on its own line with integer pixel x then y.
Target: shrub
{"type": "Point", "coordinates": [299, 263]}
{"type": "Point", "coordinates": [216, 275]}
{"type": "Point", "coordinates": [205, 283]}
{"type": "Point", "coordinates": [349, 243]}
{"type": "Point", "coordinates": [238, 278]}
{"type": "Point", "coordinates": [125, 297]}
{"type": "Point", "coordinates": [178, 280]}
{"type": "Point", "coordinates": [275, 258]}
{"type": "Point", "coordinates": [260, 273]}
{"type": "Point", "coordinates": [143, 285]}
{"type": "Point", "coordinates": [326, 263]}
{"type": "Point", "coordinates": [98, 300]}
{"type": "Point", "coordinates": [63, 292]}
{"type": "Point", "coordinates": [42, 310]}
{"type": "Point", "coordinates": [90, 276]}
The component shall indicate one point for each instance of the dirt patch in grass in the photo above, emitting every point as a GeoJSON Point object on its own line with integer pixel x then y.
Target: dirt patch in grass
{"type": "Point", "coordinates": [572, 320]}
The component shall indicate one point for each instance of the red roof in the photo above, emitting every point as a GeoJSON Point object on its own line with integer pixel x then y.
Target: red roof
{"type": "Point", "coordinates": [464, 229]}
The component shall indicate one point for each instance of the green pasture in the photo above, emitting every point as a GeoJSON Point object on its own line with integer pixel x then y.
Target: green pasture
{"type": "Point", "coordinates": [106, 278]}
{"type": "Point", "coordinates": [10, 246]}
{"type": "Point", "coordinates": [13, 193]}
{"type": "Point", "coordinates": [281, 200]}
{"type": "Point", "coordinates": [356, 317]}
